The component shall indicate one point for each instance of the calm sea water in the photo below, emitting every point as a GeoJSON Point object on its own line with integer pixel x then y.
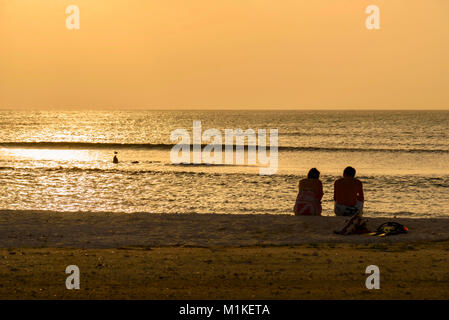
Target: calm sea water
{"type": "Point", "coordinates": [62, 161]}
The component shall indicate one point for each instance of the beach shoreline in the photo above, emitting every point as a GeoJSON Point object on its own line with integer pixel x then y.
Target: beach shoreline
{"type": "Point", "coordinates": [96, 230]}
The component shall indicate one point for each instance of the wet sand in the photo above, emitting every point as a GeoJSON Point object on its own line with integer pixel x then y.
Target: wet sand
{"type": "Point", "coordinates": [111, 230]}
{"type": "Point", "coordinates": [144, 256]}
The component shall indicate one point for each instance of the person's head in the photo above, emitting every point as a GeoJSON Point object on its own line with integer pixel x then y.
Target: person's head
{"type": "Point", "coordinates": [313, 174]}
{"type": "Point", "coordinates": [349, 172]}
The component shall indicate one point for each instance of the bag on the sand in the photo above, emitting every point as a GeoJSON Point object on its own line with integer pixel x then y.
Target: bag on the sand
{"type": "Point", "coordinates": [355, 225]}
{"type": "Point", "coordinates": [390, 228]}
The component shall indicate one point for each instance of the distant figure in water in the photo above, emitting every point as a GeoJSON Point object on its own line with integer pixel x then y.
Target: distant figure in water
{"type": "Point", "coordinates": [308, 201]}
{"type": "Point", "coordinates": [348, 194]}
{"type": "Point", "coordinates": [115, 160]}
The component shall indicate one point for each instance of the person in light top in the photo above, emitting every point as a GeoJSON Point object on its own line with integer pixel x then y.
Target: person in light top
{"type": "Point", "coordinates": [308, 201]}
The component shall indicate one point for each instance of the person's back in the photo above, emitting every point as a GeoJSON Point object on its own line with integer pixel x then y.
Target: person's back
{"type": "Point", "coordinates": [348, 191]}
{"type": "Point", "coordinates": [348, 194]}
{"type": "Point", "coordinates": [313, 187]}
{"type": "Point", "coordinates": [310, 193]}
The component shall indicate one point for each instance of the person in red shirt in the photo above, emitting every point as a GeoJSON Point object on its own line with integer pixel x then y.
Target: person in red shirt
{"type": "Point", "coordinates": [308, 201]}
{"type": "Point", "coordinates": [348, 194]}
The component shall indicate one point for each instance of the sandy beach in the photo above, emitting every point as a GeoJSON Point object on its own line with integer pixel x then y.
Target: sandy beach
{"type": "Point", "coordinates": [147, 256]}
{"type": "Point", "coordinates": [112, 230]}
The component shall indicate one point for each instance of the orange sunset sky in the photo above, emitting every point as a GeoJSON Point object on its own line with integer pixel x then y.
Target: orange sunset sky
{"type": "Point", "coordinates": [160, 54]}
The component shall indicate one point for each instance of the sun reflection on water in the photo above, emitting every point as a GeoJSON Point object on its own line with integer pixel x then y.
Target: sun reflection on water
{"type": "Point", "coordinates": [49, 154]}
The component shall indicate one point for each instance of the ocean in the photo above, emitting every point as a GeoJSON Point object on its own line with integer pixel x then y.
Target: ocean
{"type": "Point", "coordinates": [62, 161]}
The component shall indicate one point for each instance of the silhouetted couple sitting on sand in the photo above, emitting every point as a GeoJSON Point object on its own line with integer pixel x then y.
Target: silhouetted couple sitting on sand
{"type": "Point", "coordinates": [348, 194]}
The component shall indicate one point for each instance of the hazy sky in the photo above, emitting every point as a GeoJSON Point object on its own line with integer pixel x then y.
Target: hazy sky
{"type": "Point", "coordinates": [224, 54]}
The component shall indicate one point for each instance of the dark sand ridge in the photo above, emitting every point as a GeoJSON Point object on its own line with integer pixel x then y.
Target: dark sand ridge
{"type": "Point", "coordinates": [113, 230]}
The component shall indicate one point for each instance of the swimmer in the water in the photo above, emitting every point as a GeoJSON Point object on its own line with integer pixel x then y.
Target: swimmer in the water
{"type": "Point", "coordinates": [115, 160]}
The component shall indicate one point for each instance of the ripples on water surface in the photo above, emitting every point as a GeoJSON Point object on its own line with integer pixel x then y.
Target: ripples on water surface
{"type": "Point", "coordinates": [62, 161]}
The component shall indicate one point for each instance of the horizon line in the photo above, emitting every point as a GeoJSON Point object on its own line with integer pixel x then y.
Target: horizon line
{"type": "Point", "coordinates": [67, 108]}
